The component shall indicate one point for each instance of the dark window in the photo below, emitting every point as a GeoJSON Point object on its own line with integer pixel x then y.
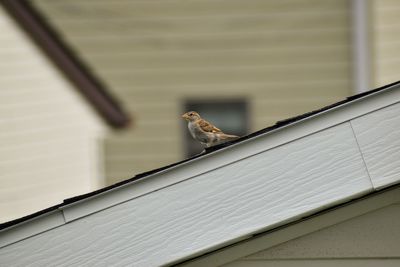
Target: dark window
{"type": "Point", "coordinates": [231, 116]}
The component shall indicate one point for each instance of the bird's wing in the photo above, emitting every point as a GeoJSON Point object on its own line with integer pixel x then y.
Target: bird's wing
{"type": "Point", "coordinates": [208, 127]}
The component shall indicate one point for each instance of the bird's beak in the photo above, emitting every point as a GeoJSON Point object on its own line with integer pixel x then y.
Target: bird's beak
{"type": "Point", "coordinates": [185, 116]}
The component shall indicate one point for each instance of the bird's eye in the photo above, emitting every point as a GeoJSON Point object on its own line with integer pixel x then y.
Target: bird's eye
{"type": "Point", "coordinates": [190, 114]}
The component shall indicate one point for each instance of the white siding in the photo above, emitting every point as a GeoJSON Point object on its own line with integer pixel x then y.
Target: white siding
{"type": "Point", "coordinates": [226, 204]}
{"type": "Point", "coordinates": [49, 136]}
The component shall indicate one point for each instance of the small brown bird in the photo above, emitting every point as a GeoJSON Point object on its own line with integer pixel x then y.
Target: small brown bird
{"type": "Point", "coordinates": [204, 132]}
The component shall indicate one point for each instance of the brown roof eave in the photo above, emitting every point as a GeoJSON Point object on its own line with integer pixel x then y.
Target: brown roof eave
{"type": "Point", "coordinates": [64, 59]}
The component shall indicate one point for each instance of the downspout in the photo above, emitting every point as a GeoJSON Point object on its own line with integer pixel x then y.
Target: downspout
{"type": "Point", "coordinates": [360, 45]}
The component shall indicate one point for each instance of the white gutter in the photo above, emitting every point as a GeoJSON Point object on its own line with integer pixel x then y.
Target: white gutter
{"type": "Point", "coordinates": [361, 52]}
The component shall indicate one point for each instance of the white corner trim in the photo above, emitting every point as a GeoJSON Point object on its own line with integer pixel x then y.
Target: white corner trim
{"type": "Point", "coordinates": [297, 229]}
{"type": "Point", "coordinates": [361, 49]}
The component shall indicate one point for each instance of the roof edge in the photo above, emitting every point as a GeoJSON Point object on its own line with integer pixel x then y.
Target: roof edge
{"type": "Point", "coordinates": [264, 140]}
{"type": "Point", "coordinates": [278, 125]}
{"type": "Point", "coordinates": [47, 39]}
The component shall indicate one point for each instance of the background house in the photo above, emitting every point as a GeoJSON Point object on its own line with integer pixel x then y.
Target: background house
{"type": "Point", "coordinates": [268, 60]}
{"type": "Point", "coordinates": [51, 137]}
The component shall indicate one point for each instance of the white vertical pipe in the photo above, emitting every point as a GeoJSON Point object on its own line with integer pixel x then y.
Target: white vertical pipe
{"type": "Point", "coordinates": [361, 53]}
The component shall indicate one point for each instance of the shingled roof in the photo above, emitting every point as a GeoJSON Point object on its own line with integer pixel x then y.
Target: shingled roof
{"type": "Point", "coordinates": [67, 62]}
{"type": "Point", "coordinates": [145, 175]}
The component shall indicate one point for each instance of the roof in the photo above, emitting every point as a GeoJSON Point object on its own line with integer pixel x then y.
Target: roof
{"type": "Point", "coordinates": [277, 125]}
{"type": "Point", "coordinates": [65, 59]}
{"type": "Point", "coordinates": [235, 191]}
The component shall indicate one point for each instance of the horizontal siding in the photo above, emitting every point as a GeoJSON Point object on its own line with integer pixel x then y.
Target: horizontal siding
{"type": "Point", "coordinates": [284, 57]}
{"type": "Point", "coordinates": [205, 26]}
{"type": "Point", "coordinates": [127, 8]}
{"type": "Point", "coordinates": [217, 58]}
{"type": "Point", "coordinates": [276, 90]}
{"type": "Point", "coordinates": [48, 133]}
{"type": "Point", "coordinates": [386, 32]}
{"type": "Point", "coordinates": [191, 42]}
{"type": "Point", "coordinates": [211, 78]}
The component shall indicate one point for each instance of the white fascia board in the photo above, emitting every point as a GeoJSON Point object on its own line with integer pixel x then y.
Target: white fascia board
{"type": "Point", "coordinates": [292, 231]}
{"type": "Point", "coordinates": [207, 163]}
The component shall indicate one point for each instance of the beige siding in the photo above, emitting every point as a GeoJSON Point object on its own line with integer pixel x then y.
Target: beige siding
{"type": "Point", "coordinates": [49, 136]}
{"type": "Point", "coordinates": [285, 57]}
{"type": "Point", "coordinates": [368, 240]}
{"type": "Point", "coordinates": [386, 45]}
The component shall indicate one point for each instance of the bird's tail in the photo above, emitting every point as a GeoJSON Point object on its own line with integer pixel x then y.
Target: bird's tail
{"type": "Point", "coordinates": [222, 138]}
{"type": "Point", "coordinates": [228, 137]}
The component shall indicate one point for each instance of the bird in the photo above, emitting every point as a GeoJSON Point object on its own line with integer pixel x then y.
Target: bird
{"type": "Point", "coordinates": [204, 132]}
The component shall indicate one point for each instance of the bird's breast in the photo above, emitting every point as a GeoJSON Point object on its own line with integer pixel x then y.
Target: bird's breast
{"type": "Point", "coordinates": [197, 133]}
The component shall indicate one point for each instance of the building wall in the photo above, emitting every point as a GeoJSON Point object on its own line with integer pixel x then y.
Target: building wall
{"type": "Point", "coordinates": [284, 57]}
{"type": "Point", "coordinates": [368, 240]}
{"type": "Point", "coordinates": [386, 45]}
{"type": "Point", "coordinates": [49, 136]}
